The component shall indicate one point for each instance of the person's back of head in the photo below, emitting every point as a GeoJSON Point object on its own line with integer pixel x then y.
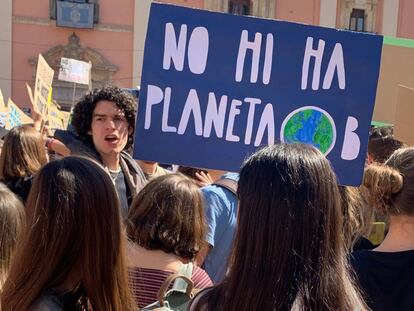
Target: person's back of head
{"type": "Point", "coordinates": [23, 153]}
{"type": "Point", "coordinates": [382, 144]}
{"type": "Point", "coordinates": [168, 215]}
{"type": "Point", "coordinates": [391, 186]}
{"type": "Point", "coordinates": [74, 232]}
{"type": "Point", "coordinates": [288, 248]}
{"type": "Point", "coordinates": [12, 224]}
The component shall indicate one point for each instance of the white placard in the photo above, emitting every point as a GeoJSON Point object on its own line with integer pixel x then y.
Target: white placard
{"type": "Point", "coordinates": [72, 70]}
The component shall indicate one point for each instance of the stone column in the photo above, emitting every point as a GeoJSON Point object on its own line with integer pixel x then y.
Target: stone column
{"type": "Point", "coordinates": [217, 5]}
{"type": "Point", "coordinates": [263, 8]}
{"type": "Point", "coordinates": [140, 30]}
{"type": "Point", "coordinates": [6, 14]}
{"type": "Point", "coordinates": [390, 18]}
{"type": "Point", "coordinates": [328, 13]}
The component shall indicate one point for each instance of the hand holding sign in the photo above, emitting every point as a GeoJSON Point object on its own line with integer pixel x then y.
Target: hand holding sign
{"type": "Point", "coordinates": [15, 116]}
{"type": "Point", "coordinates": [216, 87]}
{"type": "Point", "coordinates": [3, 111]}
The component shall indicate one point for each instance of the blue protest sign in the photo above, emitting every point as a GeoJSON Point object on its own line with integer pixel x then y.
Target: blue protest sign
{"type": "Point", "coordinates": [216, 87]}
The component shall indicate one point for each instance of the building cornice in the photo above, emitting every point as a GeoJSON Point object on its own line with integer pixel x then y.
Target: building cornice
{"type": "Point", "coordinates": [29, 20]}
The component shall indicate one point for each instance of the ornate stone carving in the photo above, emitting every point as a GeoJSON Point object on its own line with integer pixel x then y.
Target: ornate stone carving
{"type": "Point", "coordinates": [369, 6]}
{"type": "Point", "coordinates": [262, 8]}
{"type": "Point", "coordinates": [102, 69]}
{"type": "Point", "coordinates": [52, 10]}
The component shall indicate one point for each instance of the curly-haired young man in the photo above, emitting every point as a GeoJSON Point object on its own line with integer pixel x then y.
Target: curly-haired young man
{"type": "Point", "coordinates": [104, 121]}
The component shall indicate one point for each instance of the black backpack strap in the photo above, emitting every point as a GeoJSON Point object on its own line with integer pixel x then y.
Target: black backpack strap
{"type": "Point", "coordinates": [228, 184]}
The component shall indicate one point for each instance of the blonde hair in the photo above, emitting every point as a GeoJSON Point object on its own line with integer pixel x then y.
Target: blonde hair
{"type": "Point", "coordinates": [12, 224]}
{"type": "Point", "coordinates": [391, 186]}
{"type": "Point", "coordinates": [358, 215]}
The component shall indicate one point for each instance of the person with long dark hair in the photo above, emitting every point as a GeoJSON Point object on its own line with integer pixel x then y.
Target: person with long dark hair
{"type": "Point", "coordinates": [12, 224]}
{"type": "Point", "coordinates": [71, 256]}
{"type": "Point", "coordinates": [289, 253]}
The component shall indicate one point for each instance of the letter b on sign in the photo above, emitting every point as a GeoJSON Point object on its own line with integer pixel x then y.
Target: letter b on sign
{"type": "Point", "coordinates": [175, 49]}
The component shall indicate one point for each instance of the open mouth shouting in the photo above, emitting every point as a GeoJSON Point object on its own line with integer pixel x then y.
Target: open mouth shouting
{"type": "Point", "coordinates": [112, 139]}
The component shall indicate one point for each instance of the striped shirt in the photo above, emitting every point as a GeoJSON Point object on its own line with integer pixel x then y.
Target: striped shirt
{"type": "Point", "coordinates": [145, 283]}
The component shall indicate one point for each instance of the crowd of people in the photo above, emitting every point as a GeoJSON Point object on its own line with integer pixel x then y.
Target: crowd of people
{"type": "Point", "coordinates": [87, 227]}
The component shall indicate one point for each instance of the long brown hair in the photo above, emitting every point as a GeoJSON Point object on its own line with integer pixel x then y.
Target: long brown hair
{"type": "Point", "coordinates": [12, 224]}
{"type": "Point", "coordinates": [288, 250]}
{"type": "Point", "coordinates": [382, 144]}
{"type": "Point", "coordinates": [74, 226]}
{"type": "Point", "coordinates": [168, 215]}
{"type": "Point", "coordinates": [23, 153]}
{"type": "Point", "coordinates": [358, 215]}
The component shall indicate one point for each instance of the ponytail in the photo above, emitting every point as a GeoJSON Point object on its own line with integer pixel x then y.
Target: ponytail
{"type": "Point", "coordinates": [383, 183]}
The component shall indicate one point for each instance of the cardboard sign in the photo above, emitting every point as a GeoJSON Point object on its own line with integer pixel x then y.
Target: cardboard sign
{"type": "Point", "coordinates": [3, 111]}
{"type": "Point", "coordinates": [403, 124]}
{"type": "Point", "coordinates": [54, 118]}
{"type": "Point", "coordinates": [16, 116]}
{"type": "Point", "coordinates": [65, 116]}
{"type": "Point", "coordinates": [216, 87]}
{"type": "Point", "coordinates": [397, 63]}
{"type": "Point", "coordinates": [73, 70]}
{"type": "Point", "coordinates": [2, 105]}
{"type": "Point", "coordinates": [44, 79]}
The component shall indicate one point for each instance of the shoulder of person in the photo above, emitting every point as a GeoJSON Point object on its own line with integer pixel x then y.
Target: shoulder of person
{"type": "Point", "coordinates": [218, 195]}
{"type": "Point", "coordinates": [76, 145]}
{"type": "Point", "coordinates": [200, 278]}
{"type": "Point", "coordinates": [231, 176]}
{"type": "Point", "coordinates": [46, 302]}
{"type": "Point", "coordinates": [194, 304]}
{"type": "Point", "coordinates": [134, 168]}
{"type": "Point", "coordinates": [361, 259]}
{"type": "Point", "coordinates": [132, 164]}
{"type": "Point", "coordinates": [214, 195]}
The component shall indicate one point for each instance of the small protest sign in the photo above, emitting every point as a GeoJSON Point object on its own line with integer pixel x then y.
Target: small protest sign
{"type": "Point", "coordinates": [65, 116]}
{"type": "Point", "coordinates": [43, 83]}
{"type": "Point", "coordinates": [2, 104]}
{"type": "Point", "coordinates": [50, 97]}
{"type": "Point", "coordinates": [54, 118]}
{"type": "Point", "coordinates": [403, 124]}
{"type": "Point", "coordinates": [397, 63]}
{"type": "Point", "coordinates": [16, 116]}
{"type": "Point", "coordinates": [72, 70]}
{"type": "Point", "coordinates": [3, 111]}
{"type": "Point", "coordinates": [216, 87]}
